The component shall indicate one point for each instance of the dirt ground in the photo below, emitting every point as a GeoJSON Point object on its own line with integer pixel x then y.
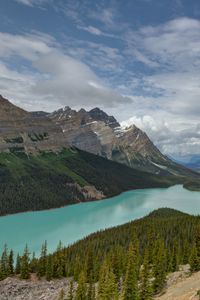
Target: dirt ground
{"type": "Point", "coordinates": [183, 288]}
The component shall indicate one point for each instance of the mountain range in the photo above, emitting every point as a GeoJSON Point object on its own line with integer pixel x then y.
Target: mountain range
{"type": "Point", "coordinates": [93, 131]}
{"type": "Point", "coordinates": [191, 161]}
{"type": "Point", "coordinates": [53, 159]}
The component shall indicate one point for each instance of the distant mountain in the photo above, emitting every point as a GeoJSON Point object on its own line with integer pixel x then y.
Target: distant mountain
{"type": "Point", "coordinates": [100, 134]}
{"type": "Point", "coordinates": [93, 131]}
{"type": "Point", "coordinates": [190, 161]}
{"type": "Point", "coordinates": [194, 163]}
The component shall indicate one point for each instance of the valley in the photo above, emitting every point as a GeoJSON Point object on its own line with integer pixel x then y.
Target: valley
{"type": "Point", "coordinates": [49, 160]}
{"type": "Point", "coordinates": [99, 150]}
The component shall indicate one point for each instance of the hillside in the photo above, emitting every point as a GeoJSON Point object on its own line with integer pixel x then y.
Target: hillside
{"type": "Point", "coordinates": [140, 258]}
{"type": "Point", "coordinates": [48, 180]}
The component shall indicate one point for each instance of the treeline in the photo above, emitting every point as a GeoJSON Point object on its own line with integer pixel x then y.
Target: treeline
{"type": "Point", "coordinates": [46, 180]}
{"type": "Point", "coordinates": [126, 262]}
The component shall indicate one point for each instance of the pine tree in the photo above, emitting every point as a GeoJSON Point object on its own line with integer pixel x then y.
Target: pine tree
{"type": "Point", "coordinates": [89, 266]}
{"type": "Point", "coordinates": [107, 283]}
{"type": "Point", "coordinates": [49, 268]}
{"type": "Point", "coordinates": [174, 262]}
{"type": "Point", "coordinates": [18, 265]}
{"type": "Point", "coordinates": [145, 287]}
{"type": "Point", "coordinates": [151, 241]}
{"type": "Point", "coordinates": [42, 261]}
{"type": "Point", "coordinates": [130, 289]}
{"type": "Point", "coordinates": [24, 264]}
{"type": "Point", "coordinates": [33, 264]}
{"type": "Point", "coordinates": [197, 241]}
{"type": "Point", "coordinates": [194, 260]}
{"type": "Point", "coordinates": [91, 291]}
{"type": "Point", "coordinates": [77, 268]}
{"type": "Point", "coordinates": [160, 268]}
{"type": "Point", "coordinates": [11, 262]}
{"type": "Point", "coordinates": [4, 264]}
{"type": "Point", "coordinates": [81, 292]}
{"type": "Point", "coordinates": [186, 252]}
{"type": "Point", "coordinates": [59, 262]}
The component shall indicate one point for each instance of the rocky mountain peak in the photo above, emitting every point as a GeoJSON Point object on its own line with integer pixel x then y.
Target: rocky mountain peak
{"type": "Point", "coordinates": [9, 111]}
{"type": "Point", "coordinates": [99, 115]}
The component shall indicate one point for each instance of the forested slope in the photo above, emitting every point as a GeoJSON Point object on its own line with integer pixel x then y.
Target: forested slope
{"type": "Point", "coordinates": [128, 262]}
{"type": "Point", "coordinates": [49, 179]}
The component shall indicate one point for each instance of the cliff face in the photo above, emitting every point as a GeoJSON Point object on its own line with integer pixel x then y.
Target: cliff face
{"type": "Point", "coordinates": [93, 131]}
{"type": "Point", "coordinates": [28, 132]}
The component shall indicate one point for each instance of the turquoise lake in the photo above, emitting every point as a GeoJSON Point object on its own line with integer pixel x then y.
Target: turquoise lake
{"type": "Point", "coordinates": [71, 223]}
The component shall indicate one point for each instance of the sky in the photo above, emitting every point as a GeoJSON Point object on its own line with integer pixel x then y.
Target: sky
{"type": "Point", "coordinates": [138, 60]}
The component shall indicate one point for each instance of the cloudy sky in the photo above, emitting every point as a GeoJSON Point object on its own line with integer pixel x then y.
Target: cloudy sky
{"type": "Point", "coordinates": [137, 59]}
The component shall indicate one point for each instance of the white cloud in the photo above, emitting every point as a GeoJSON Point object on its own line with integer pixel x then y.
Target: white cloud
{"type": "Point", "coordinates": [56, 78]}
{"type": "Point", "coordinates": [172, 51]}
{"type": "Point", "coordinates": [171, 136]}
{"type": "Point", "coordinates": [91, 29]}
{"type": "Point", "coordinates": [28, 47]}
{"type": "Point", "coordinates": [32, 2]}
{"type": "Point", "coordinates": [73, 82]}
{"type": "Point", "coordinates": [163, 101]}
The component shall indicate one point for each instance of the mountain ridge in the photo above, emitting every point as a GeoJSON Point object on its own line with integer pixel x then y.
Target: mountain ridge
{"type": "Point", "coordinates": [93, 131]}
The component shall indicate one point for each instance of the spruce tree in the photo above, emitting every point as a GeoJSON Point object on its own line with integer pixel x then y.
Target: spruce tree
{"type": "Point", "coordinates": [174, 263]}
{"type": "Point", "coordinates": [81, 292]}
{"type": "Point", "coordinates": [91, 291]}
{"type": "Point", "coordinates": [58, 260]}
{"type": "Point", "coordinates": [145, 286]}
{"type": "Point", "coordinates": [42, 261]}
{"type": "Point", "coordinates": [11, 262]}
{"type": "Point", "coordinates": [24, 264]}
{"type": "Point", "coordinates": [130, 288]}
{"type": "Point", "coordinates": [5, 264]}
{"type": "Point", "coordinates": [49, 268]}
{"type": "Point", "coordinates": [186, 252]}
{"type": "Point", "coordinates": [89, 266]}
{"type": "Point", "coordinates": [18, 265]}
{"type": "Point", "coordinates": [107, 289]}
{"type": "Point", "coordinates": [160, 268]}
{"type": "Point", "coordinates": [197, 240]}
{"type": "Point", "coordinates": [194, 259]}
{"type": "Point", "coordinates": [77, 268]}
{"type": "Point", "coordinates": [33, 264]}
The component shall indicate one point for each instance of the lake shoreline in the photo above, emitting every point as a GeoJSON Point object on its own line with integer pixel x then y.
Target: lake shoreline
{"type": "Point", "coordinates": [73, 222]}
{"type": "Point", "coordinates": [93, 200]}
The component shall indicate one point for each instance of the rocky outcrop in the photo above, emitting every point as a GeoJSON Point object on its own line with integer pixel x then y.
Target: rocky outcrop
{"type": "Point", "coordinates": [33, 289]}
{"type": "Point", "coordinates": [88, 191]}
